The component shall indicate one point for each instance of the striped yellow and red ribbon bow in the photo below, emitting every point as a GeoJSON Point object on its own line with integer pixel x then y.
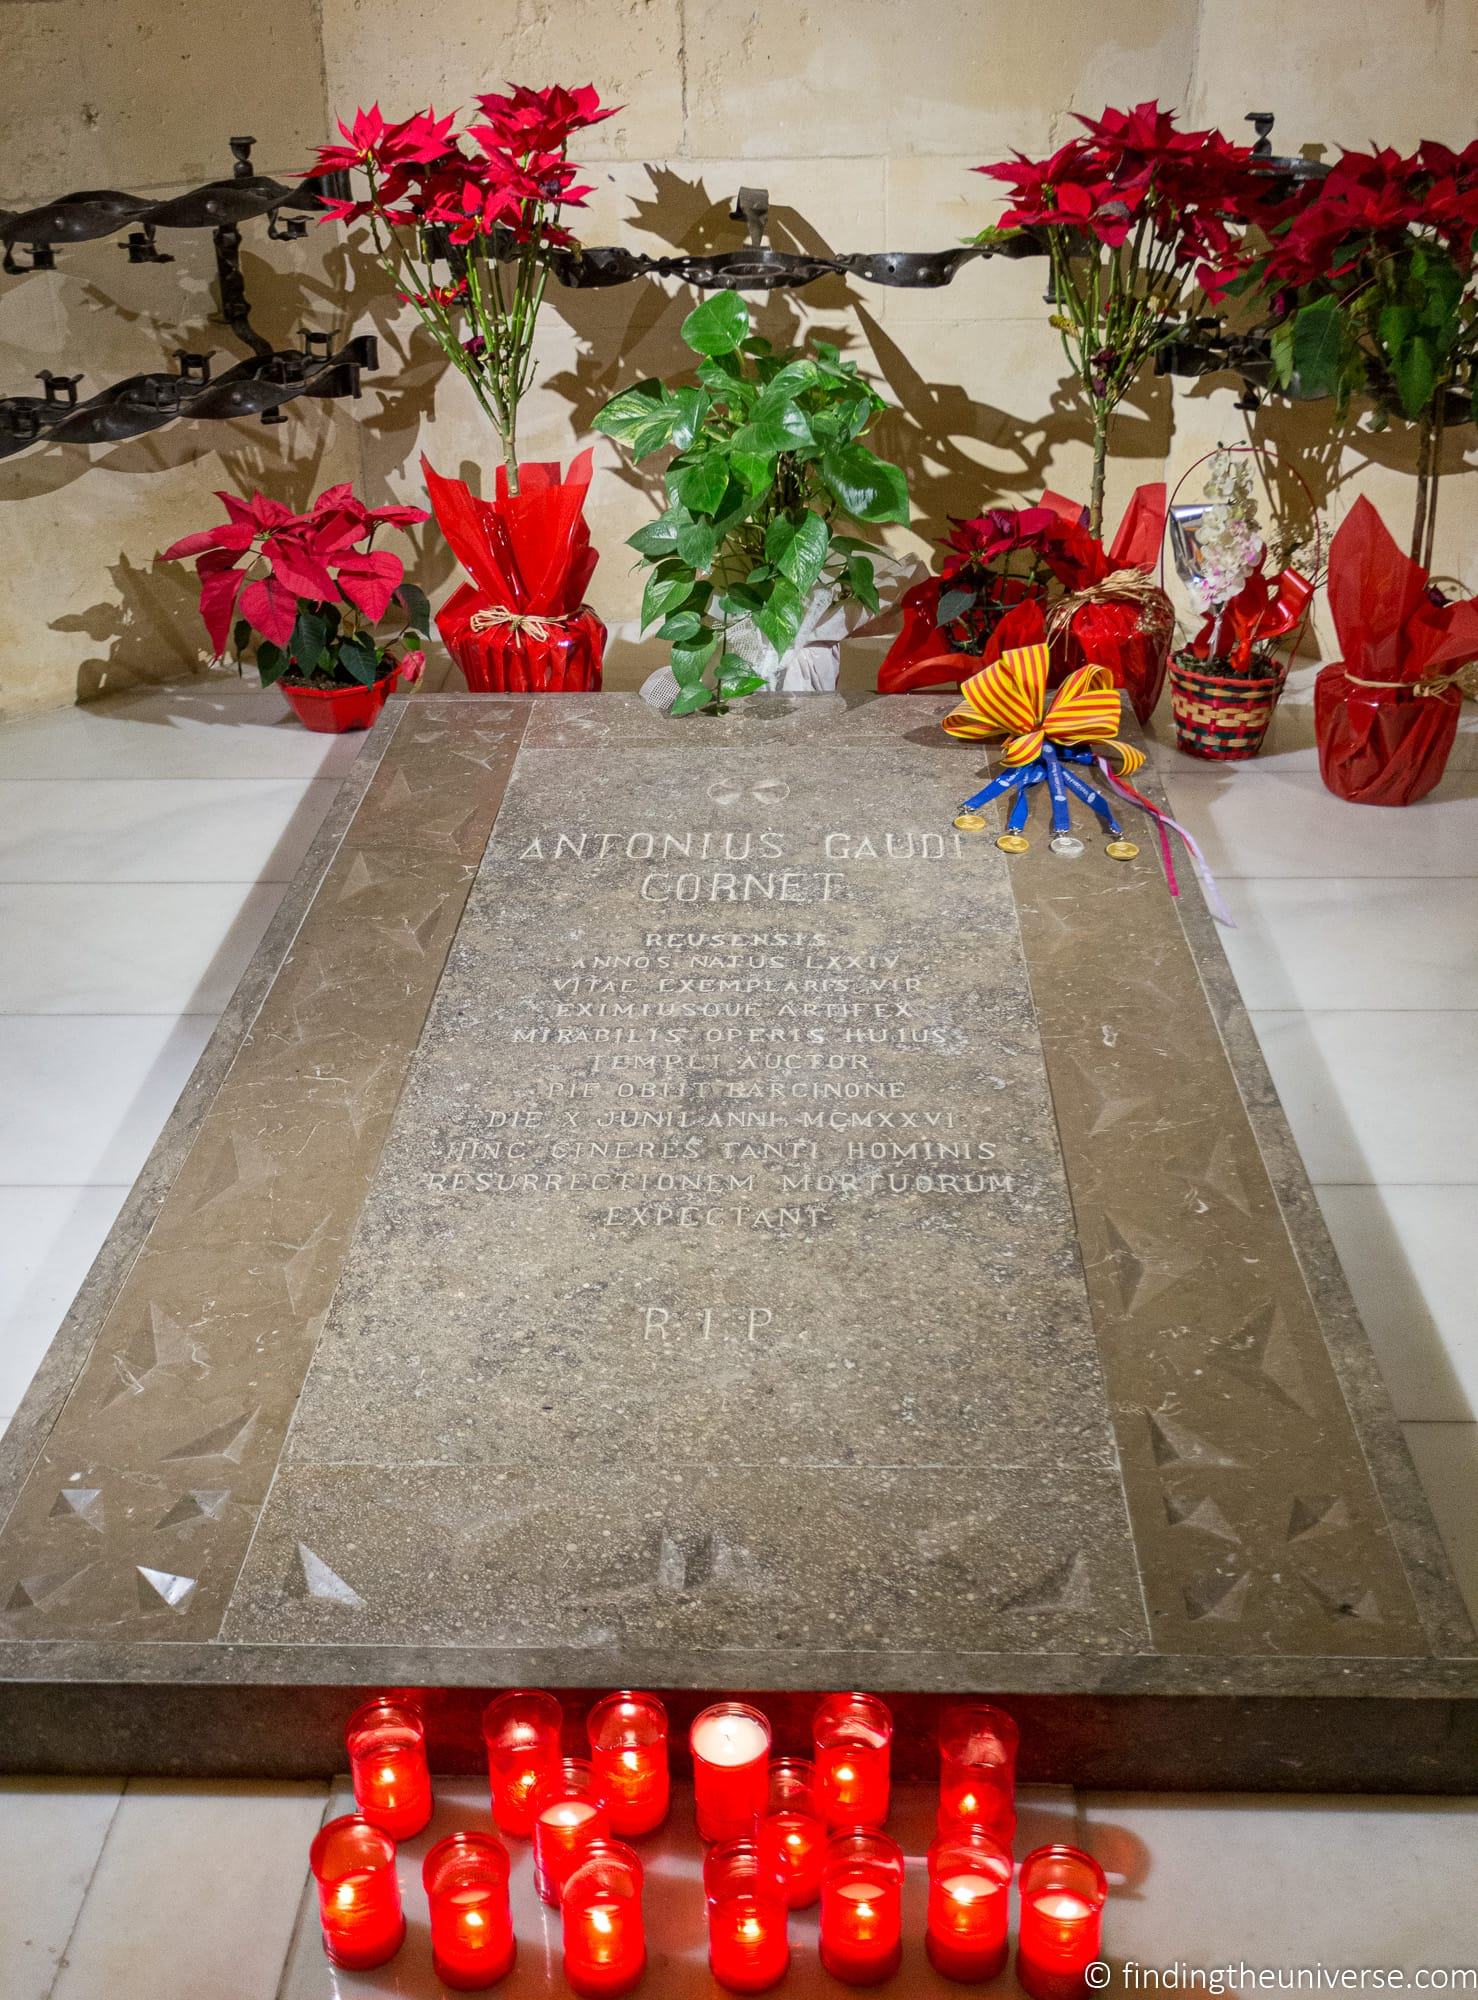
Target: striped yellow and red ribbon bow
{"type": "Point", "coordinates": [1009, 698]}
{"type": "Point", "coordinates": [1048, 742]}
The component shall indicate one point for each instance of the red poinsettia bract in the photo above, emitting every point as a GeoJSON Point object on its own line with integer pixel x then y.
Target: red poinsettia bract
{"type": "Point", "coordinates": [1137, 170]}
{"type": "Point", "coordinates": [312, 558]}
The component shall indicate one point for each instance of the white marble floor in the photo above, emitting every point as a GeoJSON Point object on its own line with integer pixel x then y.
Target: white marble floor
{"type": "Point", "coordinates": [144, 843]}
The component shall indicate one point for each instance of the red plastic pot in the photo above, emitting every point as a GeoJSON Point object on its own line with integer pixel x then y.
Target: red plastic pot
{"type": "Point", "coordinates": [332, 711]}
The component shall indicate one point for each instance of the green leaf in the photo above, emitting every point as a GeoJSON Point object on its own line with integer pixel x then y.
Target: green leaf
{"type": "Point", "coordinates": [692, 407]}
{"type": "Point", "coordinates": [756, 469]}
{"type": "Point", "coordinates": [416, 605]}
{"type": "Point", "coordinates": [630, 417]}
{"type": "Point", "coordinates": [1280, 349]}
{"type": "Point", "coordinates": [671, 583]}
{"type": "Point", "coordinates": [272, 662]}
{"type": "Point", "coordinates": [798, 548]}
{"type": "Point", "coordinates": [1444, 290]}
{"type": "Point", "coordinates": [240, 634]}
{"type": "Point", "coordinates": [724, 378]}
{"type": "Point", "coordinates": [749, 683]}
{"type": "Point", "coordinates": [657, 538]}
{"type": "Point", "coordinates": [773, 429]}
{"type": "Point", "coordinates": [863, 485]}
{"type": "Point", "coordinates": [1394, 327]}
{"type": "Point", "coordinates": [360, 659]}
{"type": "Point", "coordinates": [684, 624]}
{"type": "Point", "coordinates": [1319, 340]}
{"type": "Point", "coordinates": [691, 699]}
{"type": "Point", "coordinates": [862, 578]}
{"type": "Point", "coordinates": [691, 656]}
{"type": "Point", "coordinates": [779, 617]}
{"type": "Point", "coordinates": [697, 543]}
{"type": "Point", "coordinates": [718, 325]}
{"type": "Point", "coordinates": [309, 636]}
{"type": "Point", "coordinates": [1416, 378]}
{"type": "Point", "coordinates": [757, 345]}
{"type": "Point", "coordinates": [733, 669]}
{"type": "Point", "coordinates": [700, 484]}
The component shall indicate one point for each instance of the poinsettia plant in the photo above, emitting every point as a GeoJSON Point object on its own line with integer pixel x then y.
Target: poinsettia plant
{"type": "Point", "coordinates": [769, 459]}
{"type": "Point", "coordinates": [483, 204]}
{"type": "Point", "coordinates": [1004, 557]}
{"type": "Point", "coordinates": [1141, 222]}
{"type": "Point", "coordinates": [1370, 283]}
{"type": "Point", "coordinates": [305, 594]}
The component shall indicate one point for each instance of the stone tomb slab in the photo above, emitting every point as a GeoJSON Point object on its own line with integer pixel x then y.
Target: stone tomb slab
{"type": "Point", "coordinates": [665, 1207]}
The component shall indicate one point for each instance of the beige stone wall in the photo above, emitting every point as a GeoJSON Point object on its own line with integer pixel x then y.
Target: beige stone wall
{"type": "Point", "coordinates": [862, 117]}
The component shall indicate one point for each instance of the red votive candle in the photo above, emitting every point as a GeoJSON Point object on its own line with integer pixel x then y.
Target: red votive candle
{"type": "Point", "coordinates": [387, 1761]}
{"type": "Point", "coordinates": [1062, 1897]}
{"type": "Point", "coordinates": [569, 1812]}
{"type": "Point", "coordinates": [605, 1940]}
{"type": "Point", "coordinates": [465, 1878]}
{"type": "Point", "coordinates": [521, 1731]}
{"type": "Point", "coordinates": [793, 1831]}
{"type": "Point", "coordinates": [862, 1908]}
{"type": "Point", "coordinates": [731, 1749]}
{"type": "Point", "coordinates": [353, 1864]}
{"type": "Point", "coordinates": [969, 1894]}
{"type": "Point", "coordinates": [748, 1941]}
{"type": "Point", "coordinates": [628, 1747]}
{"type": "Point", "coordinates": [977, 1770]}
{"type": "Point", "coordinates": [852, 1734]}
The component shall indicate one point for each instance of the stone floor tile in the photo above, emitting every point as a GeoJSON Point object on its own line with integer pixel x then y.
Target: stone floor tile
{"type": "Point", "coordinates": [1447, 1464]}
{"type": "Point", "coordinates": [85, 1095]}
{"type": "Point", "coordinates": [48, 1238]}
{"type": "Point", "coordinates": [1333, 942]}
{"type": "Point", "coordinates": [51, 1834]}
{"type": "Point", "coordinates": [157, 830]}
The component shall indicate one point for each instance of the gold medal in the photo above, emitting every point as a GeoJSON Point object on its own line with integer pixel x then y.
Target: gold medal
{"type": "Point", "coordinates": [1120, 849]}
{"type": "Point", "coordinates": [1012, 843]}
{"type": "Point", "coordinates": [970, 822]}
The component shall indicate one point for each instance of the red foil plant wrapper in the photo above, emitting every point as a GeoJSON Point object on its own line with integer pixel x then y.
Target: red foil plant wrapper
{"type": "Point", "coordinates": [1106, 612]}
{"type": "Point", "coordinates": [521, 625]}
{"type": "Point", "coordinates": [1386, 712]}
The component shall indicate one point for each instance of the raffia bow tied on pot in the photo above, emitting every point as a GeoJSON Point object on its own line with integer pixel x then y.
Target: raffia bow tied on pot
{"type": "Point", "coordinates": [1049, 736]}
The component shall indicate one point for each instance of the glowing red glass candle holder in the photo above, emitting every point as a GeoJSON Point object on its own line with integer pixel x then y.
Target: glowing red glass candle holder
{"type": "Point", "coordinates": [465, 1878]}
{"type": "Point", "coordinates": [793, 1831]}
{"type": "Point", "coordinates": [731, 1752]}
{"type": "Point", "coordinates": [628, 1747]}
{"type": "Point", "coordinates": [569, 1812]}
{"type": "Point", "coordinates": [521, 1731]}
{"type": "Point", "coordinates": [353, 1865]}
{"type": "Point", "coordinates": [862, 1908]}
{"type": "Point", "coordinates": [748, 1921]}
{"type": "Point", "coordinates": [1061, 1928]}
{"type": "Point", "coordinates": [605, 1941]}
{"type": "Point", "coordinates": [977, 1770]}
{"type": "Point", "coordinates": [969, 1899]}
{"type": "Point", "coordinates": [852, 1735]}
{"type": "Point", "coordinates": [386, 1741]}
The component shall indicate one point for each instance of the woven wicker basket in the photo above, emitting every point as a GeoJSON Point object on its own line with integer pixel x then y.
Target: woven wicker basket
{"type": "Point", "coordinates": [1221, 718]}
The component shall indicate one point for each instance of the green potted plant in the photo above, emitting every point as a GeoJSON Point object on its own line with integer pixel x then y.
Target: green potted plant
{"type": "Point", "coordinates": [750, 574]}
{"type": "Point", "coordinates": [304, 595]}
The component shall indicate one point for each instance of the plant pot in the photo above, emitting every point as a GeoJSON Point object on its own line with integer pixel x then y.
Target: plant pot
{"type": "Point", "coordinates": [333, 711]}
{"type": "Point", "coordinates": [557, 656]}
{"type": "Point", "coordinates": [1380, 746]}
{"type": "Point", "coordinates": [1221, 717]}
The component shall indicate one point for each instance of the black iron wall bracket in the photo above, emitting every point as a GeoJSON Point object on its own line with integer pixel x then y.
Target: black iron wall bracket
{"type": "Point", "coordinates": [270, 378]}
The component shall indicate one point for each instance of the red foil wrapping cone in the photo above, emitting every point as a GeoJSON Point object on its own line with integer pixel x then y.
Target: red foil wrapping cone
{"type": "Point", "coordinates": [521, 625]}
